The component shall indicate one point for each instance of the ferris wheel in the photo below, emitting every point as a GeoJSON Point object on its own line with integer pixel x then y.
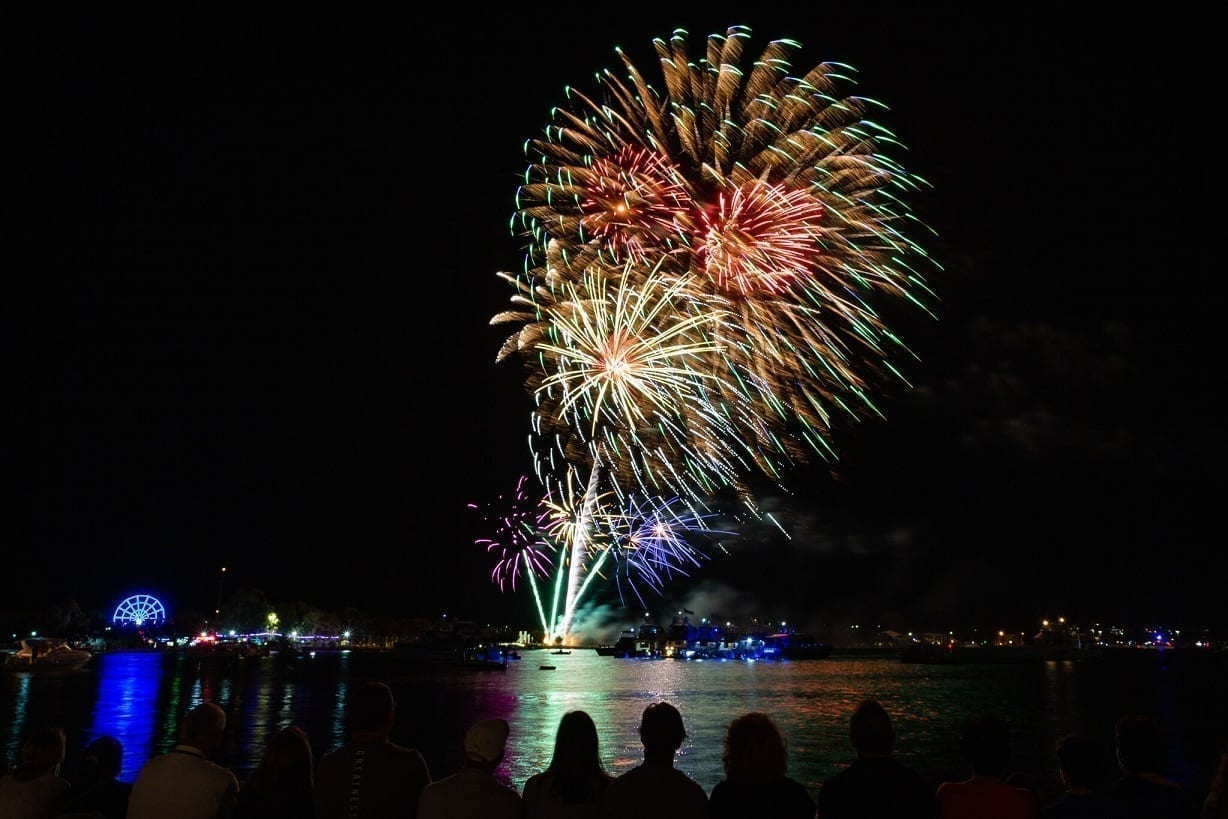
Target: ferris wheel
{"type": "Point", "coordinates": [139, 610]}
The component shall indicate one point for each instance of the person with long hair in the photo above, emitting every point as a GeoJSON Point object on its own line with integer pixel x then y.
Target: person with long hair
{"type": "Point", "coordinates": [280, 786]}
{"type": "Point", "coordinates": [574, 783]}
{"type": "Point", "coordinates": [757, 780]}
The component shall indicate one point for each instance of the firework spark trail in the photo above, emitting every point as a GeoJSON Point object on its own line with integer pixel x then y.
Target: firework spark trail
{"type": "Point", "coordinates": [704, 269]}
{"type": "Point", "coordinates": [518, 522]}
{"type": "Point", "coordinates": [623, 359]}
{"type": "Point", "coordinates": [614, 359]}
{"type": "Point", "coordinates": [656, 540]}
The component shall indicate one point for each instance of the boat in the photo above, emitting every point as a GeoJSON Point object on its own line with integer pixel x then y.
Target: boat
{"type": "Point", "coordinates": [805, 647]}
{"type": "Point", "coordinates": [929, 653]}
{"type": "Point", "coordinates": [222, 651]}
{"type": "Point", "coordinates": [561, 651]}
{"type": "Point", "coordinates": [709, 640]}
{"type": "Point", "coordinates": [1059, 641]}
{"type": "Point", "coordinates": [624, 647]}
{"type": "Point", "coordinates": [452, 645]}
{"type": "Point", "coordinates": [1056, 641]}
{"type": "Point", "coordinates": [789, 645]}
{"type": "Point", "coordinates": [451, 653]}
{"type": "Point", "coordinates": [47, 654]}
{"type": "Point", "coordinates": [212, 646]}
{"type": "Point", "coordinates": [640, 644]}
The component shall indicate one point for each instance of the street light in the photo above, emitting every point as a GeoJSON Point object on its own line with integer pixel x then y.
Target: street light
{"type": "Point", "coordinates": [221, 579]}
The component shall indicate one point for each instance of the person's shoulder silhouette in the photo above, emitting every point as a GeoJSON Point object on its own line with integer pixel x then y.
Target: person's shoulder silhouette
{"type": "Point", "coordinates": [186, 782]}
{"type": "Point", "coordinates": [1085, 766]}
{"type": "Point", "coordinates": [281, 785]}
{"type": "Point", "coordinates": [96, 789]}
{"type": "Point", "coordinates": [34, 786]}
{"type": "Point", "coordinates": [1143, 788]}
{"type": "Point", "coordinates": [655, 787]}
{"type": "Point", "coordinates": [369, 773]}
{"type": "Point", "coordinates": [756, 779]}
{"type": "Point", "coordinates": [985, 746]}
{"type": "Point", "coordinates": [575, 781]}
{"type": "Point", "coordinates": [875, 784]}
{"type": "Point", "coordinates": [473, 792]}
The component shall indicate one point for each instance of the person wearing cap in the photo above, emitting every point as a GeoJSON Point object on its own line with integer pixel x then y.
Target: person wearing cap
{"type": "Point", "coordinates": [655, 788]}
{"type": "Point", "coordinates": [370, 777]}
{"type": "Point", "coordinates": [473, 792]}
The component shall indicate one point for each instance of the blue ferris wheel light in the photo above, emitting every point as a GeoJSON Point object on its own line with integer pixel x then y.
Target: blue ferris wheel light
{"type": "Point", "coordinates": [139, 610]}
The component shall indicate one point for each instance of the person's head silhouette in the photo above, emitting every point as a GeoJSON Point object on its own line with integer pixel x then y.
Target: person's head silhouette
{"type": "Point", "coordinates": [485, 743]}
{"type": "Point", "coordinates": [104, 758]}
{"type": "Point", "coordinates": [661, 730]}
{"type": "Point", "coordinates": [372, 711]}
{"type": "Point", "coordinates": [870, 730]}
{"type": "Point", "coordinates": [1139, 747]}
{"type": "Point", "coordinates": [986, 746]}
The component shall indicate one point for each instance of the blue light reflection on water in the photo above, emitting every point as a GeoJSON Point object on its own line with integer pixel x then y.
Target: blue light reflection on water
{"type": "Point", "coordinates": [139, 697]}
{"type": "Point", "coordinates": [127, 706]}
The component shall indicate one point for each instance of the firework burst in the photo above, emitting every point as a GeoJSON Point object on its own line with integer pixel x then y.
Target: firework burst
{"type": "Point", "coordinates": [772, 199]}
{"type": "Point", "coordinates": [705, 270]}
{"type": "Point", "coordinates": [654, 540]}
{"type": "Point", "coordinates": [517, 521]}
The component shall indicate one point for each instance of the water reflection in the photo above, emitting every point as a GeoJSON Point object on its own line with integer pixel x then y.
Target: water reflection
{"type": "Point", "coordinates": [127, 707]}
{"type": "Point", "coordinates": [139, 697]}
{"type": "Point", "coordinates": [16, 715]}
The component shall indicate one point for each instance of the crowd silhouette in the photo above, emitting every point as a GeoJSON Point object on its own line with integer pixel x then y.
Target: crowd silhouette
{"type": "Point", "coordinates": [370, 777]}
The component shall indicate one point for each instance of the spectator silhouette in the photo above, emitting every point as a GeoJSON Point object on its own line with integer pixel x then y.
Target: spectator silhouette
{"type": "Point", "coordinates": [574, 784]}
{"type": "Point", "coordinates": [473, 792]}
{"type": "Point", "coordinates": [34, 789]}
{"type": "Point", "coordinates": [756, 774]}
{"type": "Point", "coordinates": [1215, 805]}
{"type": "Point", "coordinates": [655, 788]}
{"type": "Point", "coordinates": [370, 777]}
{"type": "Point", "coordinates": [1142, 789]}
{"type": "Point", "coordinates": [1084, 766]}
{"type": "Point", "coordinates": [985, 745]}
{"type": "Point", "coordinates": [280, 786]}
{"type": "Point", "coordinates": [185, 782]}
{"type": "Point", "coordinates": [96, 791]}
{"type": "Point", "coordinates": [876, 785]}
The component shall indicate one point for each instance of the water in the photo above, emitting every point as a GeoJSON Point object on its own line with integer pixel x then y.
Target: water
{"type": "Point", "coordinates": [139, 696]}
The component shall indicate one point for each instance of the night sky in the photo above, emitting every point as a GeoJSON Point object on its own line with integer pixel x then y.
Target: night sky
{"type": "Point", "coordinates": [253, 330]}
